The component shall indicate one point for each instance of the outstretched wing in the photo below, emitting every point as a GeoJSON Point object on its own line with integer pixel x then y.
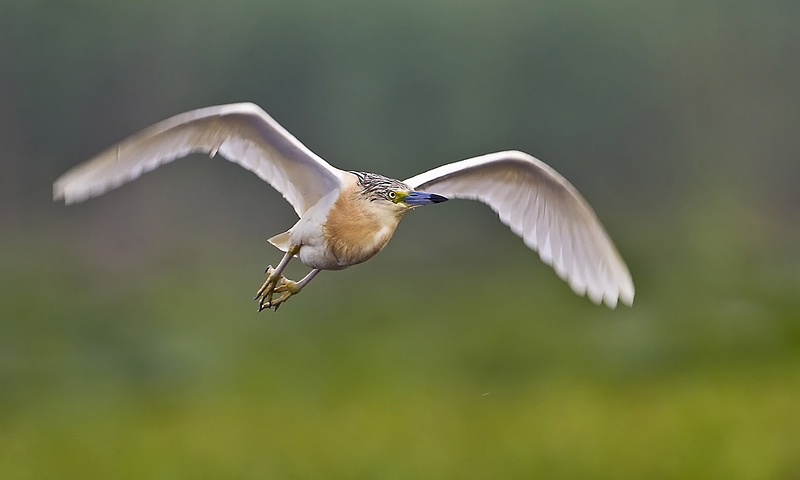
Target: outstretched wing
{"type": "Point", "coordinates": [545, 210]}
{"type": "Point", "coordinates": [242, 133]}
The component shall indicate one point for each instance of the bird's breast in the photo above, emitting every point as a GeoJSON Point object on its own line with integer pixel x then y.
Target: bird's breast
{"type": "Point", "coordinates": [354, 233]}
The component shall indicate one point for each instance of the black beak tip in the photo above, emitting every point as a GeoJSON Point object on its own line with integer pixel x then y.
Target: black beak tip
{"type": "Point", "coordinates": [438, 198]}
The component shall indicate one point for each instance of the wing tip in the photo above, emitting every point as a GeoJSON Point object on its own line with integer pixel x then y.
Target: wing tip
{"type": "Point", "coordinates": [609, 295]}
{"type": "Point", "coordinates": [60, 192]}
{"type": "Point", "coordinates": [71, 192]}
{"type": "Point", "coordinates": [624, 295]}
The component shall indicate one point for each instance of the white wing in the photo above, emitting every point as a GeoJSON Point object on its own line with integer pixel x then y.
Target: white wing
{"type": "Point", "coordinates": [545, 210]}
{"type": "Point", "coordinates": [242, 132]}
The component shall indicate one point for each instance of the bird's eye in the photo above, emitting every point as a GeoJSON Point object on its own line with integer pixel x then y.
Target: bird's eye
{"type": "Point", "coordinates": [392, 195]}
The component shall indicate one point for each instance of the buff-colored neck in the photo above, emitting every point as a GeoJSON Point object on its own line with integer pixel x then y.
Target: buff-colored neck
{"type": "Point", "coordinates": [356, 228]}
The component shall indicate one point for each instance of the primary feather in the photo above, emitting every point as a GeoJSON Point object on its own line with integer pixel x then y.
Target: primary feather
{"type": "Point", "coordinates": [545, 210]}
{"type": "Point", "coordinates": [242, 133]}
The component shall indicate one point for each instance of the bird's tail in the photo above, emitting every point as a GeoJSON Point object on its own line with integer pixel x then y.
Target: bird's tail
{"type": "Point", "coordinates": [281, 241]}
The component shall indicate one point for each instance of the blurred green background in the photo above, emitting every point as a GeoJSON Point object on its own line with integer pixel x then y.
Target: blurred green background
{"type": "Point", "coordinates": [129, 343]}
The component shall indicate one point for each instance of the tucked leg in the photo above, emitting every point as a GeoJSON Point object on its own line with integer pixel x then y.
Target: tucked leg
{"type": "Point", "coordinates": [288, 288]}
{"type": "Point", "coordinates": [274, 277]}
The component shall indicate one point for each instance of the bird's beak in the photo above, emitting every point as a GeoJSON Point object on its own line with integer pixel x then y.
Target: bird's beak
{"type": "Point", "coordinates": [417, 199]}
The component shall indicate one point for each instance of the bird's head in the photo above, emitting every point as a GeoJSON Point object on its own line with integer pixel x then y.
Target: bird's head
{"type": "Point", "coordinates": [393, 195]}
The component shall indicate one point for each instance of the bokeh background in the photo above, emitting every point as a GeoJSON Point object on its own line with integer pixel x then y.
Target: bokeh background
{"type": "Point", "coordinates": [130, 346]}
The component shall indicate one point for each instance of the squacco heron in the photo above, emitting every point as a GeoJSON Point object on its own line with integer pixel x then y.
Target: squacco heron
{"type": "Point", "coordinates": [348, 217]}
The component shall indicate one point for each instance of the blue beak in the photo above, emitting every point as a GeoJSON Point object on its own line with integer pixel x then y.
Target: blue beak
{"type": "Point", "coordinates": [416, 199]}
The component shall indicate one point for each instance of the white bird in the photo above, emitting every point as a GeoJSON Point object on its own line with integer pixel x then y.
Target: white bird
{"type": "Point", "coordinates": [348, 217]}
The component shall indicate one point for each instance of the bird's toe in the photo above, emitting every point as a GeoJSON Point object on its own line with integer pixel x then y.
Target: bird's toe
{"type": "Point", "coordinates": [287, 286]}
{"type": "Point", "coordinates": [273, 285]}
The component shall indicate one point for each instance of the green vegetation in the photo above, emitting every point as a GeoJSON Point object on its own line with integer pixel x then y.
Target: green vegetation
{"type": "Point", "coordinates": [165, 370]}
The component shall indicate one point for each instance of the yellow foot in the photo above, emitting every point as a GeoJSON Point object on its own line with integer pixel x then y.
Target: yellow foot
{"type": "Point", "coordinates": [287, 288]}
{"type": "Point", "coordinates": [269, 288]}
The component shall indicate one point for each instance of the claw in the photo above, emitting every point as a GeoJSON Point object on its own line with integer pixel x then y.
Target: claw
{"type": "Point", "coordinates": [266, 291]}
{"type": "Point", "coordinates": [274, 285]}
{"type": "Point", "coordinates": [277, 282]}
{"type": "Point", "coordinates": [287, 289]}
{"type": "Point", "coordinates": [268, 284]}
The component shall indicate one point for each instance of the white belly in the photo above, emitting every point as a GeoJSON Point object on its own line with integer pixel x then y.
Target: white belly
{"type": "Point", "coordinates": [317, 256]}
{"type": "Point", "coordinates": [308, 233]}
{"type": "Point", "coordinates": [315, 252]}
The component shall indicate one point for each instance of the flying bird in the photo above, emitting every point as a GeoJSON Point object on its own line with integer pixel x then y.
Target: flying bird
{"type": "Point", "coordinates": [347, 217]}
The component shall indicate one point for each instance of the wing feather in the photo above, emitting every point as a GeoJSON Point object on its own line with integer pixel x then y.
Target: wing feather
{"type": "Point", "coordinates": [545, 210]}
{"type": "Point", "coordinates": [242, 133]}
